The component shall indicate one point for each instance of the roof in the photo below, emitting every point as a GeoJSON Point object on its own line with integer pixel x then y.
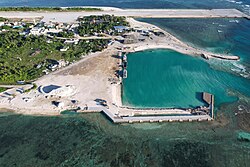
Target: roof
{"type": "Point", "coordinates": [120, 27]}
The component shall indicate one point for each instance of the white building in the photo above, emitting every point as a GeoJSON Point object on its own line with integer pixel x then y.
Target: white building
{"type": "Point", "coordinates": [53, 30]}
{"type": "Point", "coordinates": [2, 24]}
{"type": "Point", "coordinates": [37, 30]}
{"type": "Point", "coordinates": [72, 41]}
{"type": "Point", "coordinates": [64, 49]}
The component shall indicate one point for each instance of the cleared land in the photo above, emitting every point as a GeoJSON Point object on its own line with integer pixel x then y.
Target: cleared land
{"type": "Point", "coordinates": [145, 13]}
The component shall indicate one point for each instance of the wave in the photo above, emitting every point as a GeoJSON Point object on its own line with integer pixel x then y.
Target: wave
{"type": "Point", "coordinates": [239, 66]}
{"type": "Point", "coordinates": [234, 21]}
{"type": "Point", "coordinates": [232, 1]}
{"type": "Point", "coordinates": [240, 69]}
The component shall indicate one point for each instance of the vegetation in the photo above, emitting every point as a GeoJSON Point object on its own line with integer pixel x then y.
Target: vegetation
{"type": "Point", "coordinates": [50, 9]}
{"type": "Point", "coordinates": [3, 19]}
{"type": "Point", "coordinates": [90, 25]}
{"type": "Point", "coordinates": [25, 57]}
{"type": "Point", "coordinates": [2, 89]}
{"type": "Point", "coordinates": [65, 34]}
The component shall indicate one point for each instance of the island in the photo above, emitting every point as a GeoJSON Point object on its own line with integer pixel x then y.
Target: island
{"type": "Point", "coordinates": [54, 61]}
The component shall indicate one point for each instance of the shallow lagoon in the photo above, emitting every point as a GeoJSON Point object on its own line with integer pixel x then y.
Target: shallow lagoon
{"type": "Point", "coordinates": [165, 78]}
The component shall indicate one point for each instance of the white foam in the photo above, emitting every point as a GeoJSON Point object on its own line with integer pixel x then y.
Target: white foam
{"type": "Point", "coordinates": [245, 75]}
{"type": "Point", "coordinates": [240, 66]}
{"type": "Point", "coordinates": [232, 1]}
{"type": "Point", "coordinates": [236, 70]}
{"type": "Point", "coordinates": [222, 25]}
{"type": "Point", "coordinates": [234, 21]}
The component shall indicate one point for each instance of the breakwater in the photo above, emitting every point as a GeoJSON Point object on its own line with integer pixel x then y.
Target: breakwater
{"type": "Point", "coordinates": [142, 115]}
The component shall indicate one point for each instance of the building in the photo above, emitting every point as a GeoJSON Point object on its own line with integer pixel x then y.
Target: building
{"type": "Point", "coordinates": [37, 30]}
{"type": "Point", "coordinates": [64, 49]}
{"type": "Point", "coordinates": [121, 28]}
{"type": "Point", "coordinates": [2, 24]}
{"type": "Point", "coordinates": [72, 41]}
{"type": "Point", "coordinates": [53, 30]}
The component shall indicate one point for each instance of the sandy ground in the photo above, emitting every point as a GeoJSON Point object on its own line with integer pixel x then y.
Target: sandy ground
{"type": "Point", "coordinates": [170, 42]}
{"type": "Point", "coordinates": [90, 78]}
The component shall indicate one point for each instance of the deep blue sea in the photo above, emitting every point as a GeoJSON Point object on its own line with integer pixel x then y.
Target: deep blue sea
{"type": "Point", "coordinates": [91, 140]}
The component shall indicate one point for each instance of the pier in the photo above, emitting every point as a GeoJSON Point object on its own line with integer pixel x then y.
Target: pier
{"type": "Point", "coordinates": [116, 118]}
{"type": "Point", "coordinates": [209, 99]}
{"type": "Point", "coordinates": [149, 115]}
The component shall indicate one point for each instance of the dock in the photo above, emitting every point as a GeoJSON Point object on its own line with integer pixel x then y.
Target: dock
{"type": "Point", "coordinates": [149, 115]}
{"type": "Point", "coordinates": [115, 118]}
{"type": "Point", "coordinates": [209, 99]}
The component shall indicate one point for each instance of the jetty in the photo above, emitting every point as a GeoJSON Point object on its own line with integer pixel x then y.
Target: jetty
{"type": "Point", "coordinates": [209, 99]}
{"type": "Point", "coordinates": [149, 115]}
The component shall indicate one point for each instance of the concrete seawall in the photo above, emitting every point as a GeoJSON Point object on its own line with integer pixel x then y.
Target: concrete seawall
{"type": "Point", "coordinates": [140, 115]}
{"type": "Point", "coordinates": [146, 119]}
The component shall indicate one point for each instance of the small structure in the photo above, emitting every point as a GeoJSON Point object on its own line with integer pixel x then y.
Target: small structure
{"type": "Point", "coordinates": [58, 91]}
{"type": "Point", "coordinates": [17, 27]}
{"type": "Point", "coordinates": [2, 24]}
{"type": "Point", "coordinates": [20, 82]}
{"type": "Point", "coordinates": [53, 30]}
{"type": "Point", "coordinates": [101, 102]}
{"type": "Point", "coordinates": [58, 104]}
{"type": "Point", "coordinates": [64, 49]}
{"type": "Point", "coordinates": [158, 33]}
{"type": "Point", "coordinates": [121, 29]}
{"type": "Point", "coordinates": [125, 73]}
{"type": "Point", "coordinates": [120, 39]}
{"type": "Point", "coordinates": [71, 41]}
{"type": "Point", "coordinates": [37, 31]}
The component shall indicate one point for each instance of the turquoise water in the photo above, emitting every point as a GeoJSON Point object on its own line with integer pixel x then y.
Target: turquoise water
{"type": "Point", "coordinates": [218, 35]}
{"type": "Point", "coordinates": [165, 78]}
{"type": "Point", "coordinates": [228, 36]}
{"type": "Point", "coordinates": [91, 140]}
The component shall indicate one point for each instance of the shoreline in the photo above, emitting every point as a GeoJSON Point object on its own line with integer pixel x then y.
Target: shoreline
{"type": "Point", "coordinates": [174, 44]}
{"type": "Point", "coordinates": [90, 77]}
{"type": "Point", "coordinates": [70, 16]}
